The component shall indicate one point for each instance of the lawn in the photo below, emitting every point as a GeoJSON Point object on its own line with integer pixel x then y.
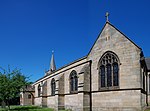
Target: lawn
{"type": "Point", "coordinates": [26, 108]}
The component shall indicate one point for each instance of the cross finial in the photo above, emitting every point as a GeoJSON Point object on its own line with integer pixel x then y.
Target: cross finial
{"type": "Point", "coordinates": [107, 14]}
{"type": "Point", "coordinates": [52, 51]}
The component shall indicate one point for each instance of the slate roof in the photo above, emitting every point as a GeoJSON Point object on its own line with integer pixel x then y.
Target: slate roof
{"type": "Point", "coordinates": [29, 88]}
{"type": "Point", "coordinates": [91, 49]}
{"type": "Point", "coordinates": [147, 60]}
{"type": "Point", "coordinates": [62, 67]}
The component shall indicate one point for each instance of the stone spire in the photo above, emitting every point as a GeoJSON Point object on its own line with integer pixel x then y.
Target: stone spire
{"type": "Point", "coordinates": [52, 63]}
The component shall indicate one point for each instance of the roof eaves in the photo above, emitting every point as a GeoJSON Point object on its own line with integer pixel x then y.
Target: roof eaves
{"type": "Point", "coordinates": [97, 39]}
{"type": "Point", "coordinates": [84, 57]}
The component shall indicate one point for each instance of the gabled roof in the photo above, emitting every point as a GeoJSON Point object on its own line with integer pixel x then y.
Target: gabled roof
{"type": "Point", "coordinates": [62, 67]}
{"type": "Point", "coordinates": [28, 88]}
{"type": "Point", "coordinates": [115, 29]}
{"type": "Point", "coordinates": [147, 60]}
{"type": "Point", "coordinates": [91, 49]}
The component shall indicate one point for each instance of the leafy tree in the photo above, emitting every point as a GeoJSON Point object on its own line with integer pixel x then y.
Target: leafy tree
{"type": "Point", "coordinates": [11, 81]}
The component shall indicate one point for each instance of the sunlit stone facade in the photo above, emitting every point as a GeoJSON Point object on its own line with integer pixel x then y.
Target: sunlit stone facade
{"type": "Point", "coordinates": [113, 76]}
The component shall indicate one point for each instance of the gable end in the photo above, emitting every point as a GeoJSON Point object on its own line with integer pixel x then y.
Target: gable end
{"type": "Point", "coordinates": [118, 31]}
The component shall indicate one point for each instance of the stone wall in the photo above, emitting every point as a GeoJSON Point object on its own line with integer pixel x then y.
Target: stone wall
{"type": "Point", "coordinates": [62, 99]}
{"type": "Point", "coordinates": [86, 102]}
{"type": "Point", "coordinates": [129, 70]}
{"type": "Point", "coordinates": [74, 102]}
{"type": "Point", "coordinates": [38, 101]}
{"type": "Point", "coordinates": [52, 102]}
{"type": "Point", "coordinates": [117, 101]}
{"type": "Point", "coordinates": [128, 54]}
{"type": "Point", "coordinates": [129, 95]}
{"type": "Point", "coordinates": [44, 101]}
{"type": "Point", "coordinates": [26, 98]}
{"type": "Point", "coordinates": [143, 100]}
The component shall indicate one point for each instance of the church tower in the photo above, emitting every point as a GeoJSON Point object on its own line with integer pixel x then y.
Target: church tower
{"type": "Point", "coordinates": [52, 63]}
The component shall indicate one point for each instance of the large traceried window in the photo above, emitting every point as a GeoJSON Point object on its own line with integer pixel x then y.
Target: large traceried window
{"type": "Point", "coordinates": [39, 90]}
{"type": "Point", "coordinates": [109, 71]}
{"type": "Point", "coordinates": [53, 87]}
{"type": "Point", "coordinates": [73, 82]}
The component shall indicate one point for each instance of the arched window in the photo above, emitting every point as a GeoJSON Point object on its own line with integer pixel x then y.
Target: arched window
{"type": "Point", "coordinates": [109, 75]}
{"type": "Point", "coordinates": [115, 74]}
{"type": "Point", "coordinates": [39, 90]}
{"type": "Point", "coordinates": [53, 87]}
{"type": "Point", "coordinates": [109, 70]}
{"type": "Point", "coordinates": [102, 71]}
{"type": "Point", "coordinates": [73, 82]}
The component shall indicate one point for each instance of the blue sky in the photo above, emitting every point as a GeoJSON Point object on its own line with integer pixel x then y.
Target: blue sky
{"type": "Point", "coordinates": [31, 29]}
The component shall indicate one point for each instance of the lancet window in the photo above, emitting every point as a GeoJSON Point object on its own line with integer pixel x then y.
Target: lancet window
{"type": "Point", "coordinates": [53, 87]}
{"type": "Point", "coordinates": [73, 81]}
{"type": "Point", "coordinates": [39, 90]}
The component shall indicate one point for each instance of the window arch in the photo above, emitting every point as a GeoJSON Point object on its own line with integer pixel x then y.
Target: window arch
{"type": "Point", "coordinates": [73, 81]}
{"type": "Point", "coordinates": [109, 70]}
{"type": "Point", "coordinates": [39, 90]}
{"type": "Point", "coordinates": [53, 87]}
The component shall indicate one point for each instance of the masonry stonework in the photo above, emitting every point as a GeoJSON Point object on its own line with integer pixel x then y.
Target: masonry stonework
{"type": "Point", "coordinates": [83, 90]}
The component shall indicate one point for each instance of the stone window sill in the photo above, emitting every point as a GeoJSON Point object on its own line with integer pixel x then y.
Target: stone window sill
{"type": "Point", "coordinates": [108, 88]}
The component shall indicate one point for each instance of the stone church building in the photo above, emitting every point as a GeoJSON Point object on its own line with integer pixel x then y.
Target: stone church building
{"type": "Point", "coordinates": [114, 76]}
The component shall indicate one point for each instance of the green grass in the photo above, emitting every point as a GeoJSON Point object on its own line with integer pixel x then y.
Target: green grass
{"type": "Point", "coordinates": [26, 108]}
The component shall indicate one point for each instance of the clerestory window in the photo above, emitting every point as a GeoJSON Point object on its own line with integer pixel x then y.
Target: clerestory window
{"type": "Point", "coordinates": [73, 82]}
{"type": "Point", "coordinates": [109, 71]}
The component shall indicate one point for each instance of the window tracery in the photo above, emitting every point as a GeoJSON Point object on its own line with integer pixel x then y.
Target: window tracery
{"type": "Point", "coordinates": [73, 82]}
{"type": "Point", "coordinates": [109, 70]}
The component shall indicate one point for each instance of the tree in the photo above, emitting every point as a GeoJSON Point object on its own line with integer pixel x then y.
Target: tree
{"type": "Point", "coordinates": [11, 81]}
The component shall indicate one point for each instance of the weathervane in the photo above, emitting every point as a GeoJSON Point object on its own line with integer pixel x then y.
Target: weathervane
{"type": "Point", "coordinates": [107, 14]}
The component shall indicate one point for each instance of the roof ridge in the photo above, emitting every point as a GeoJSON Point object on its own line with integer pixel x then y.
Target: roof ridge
{"type": "Point", "coordinates": [107, 22]}
{"type": "Point", "coordinates": [124, 35]}
{"type": "Point", "coordinates": [97, 37]}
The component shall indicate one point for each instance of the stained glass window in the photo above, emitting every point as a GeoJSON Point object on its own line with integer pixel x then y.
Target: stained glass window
{"type": "Point", "coordinates": [109, 75]}
{"type": "Point", "coordinates": [115, 74]}
{"type": "Point", "coordinates": [73, 81]}
{"type": "Point", "coordinates": [102, 69]}
{"type": "Point", "coordinates": [39, 90]}
{"type": "Point", "coordinates": [53, 86]}
{"type": "Point", "coordinates": [109, 70]}
{"type": "Point", "coordinates": [76, 83]}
